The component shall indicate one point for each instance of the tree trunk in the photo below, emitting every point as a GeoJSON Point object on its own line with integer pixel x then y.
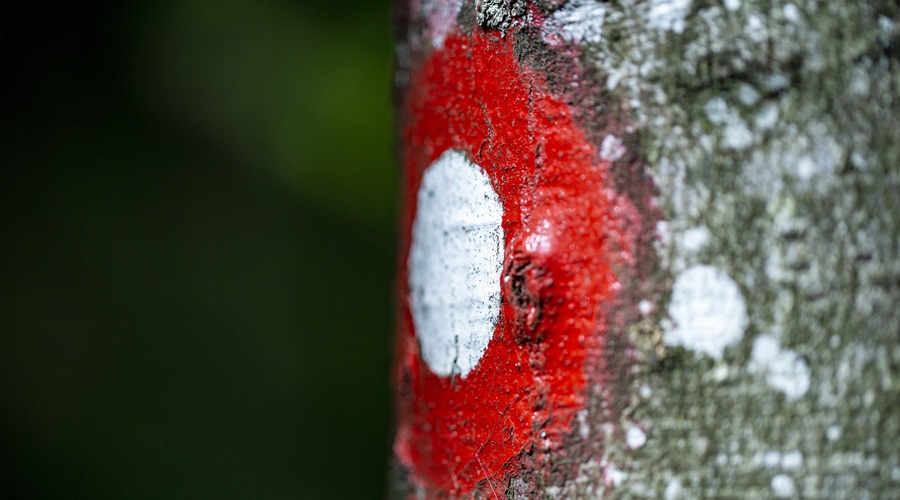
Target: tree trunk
{"type": "Point", "coordinates": [649, 248]}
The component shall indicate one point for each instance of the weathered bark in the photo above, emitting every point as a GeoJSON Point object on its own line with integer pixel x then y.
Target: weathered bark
{"type": "Point", "coordinates": [753, 347]}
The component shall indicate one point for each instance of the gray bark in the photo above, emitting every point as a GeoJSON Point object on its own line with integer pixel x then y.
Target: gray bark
{"type": "Point", "coordinates": [772, 132]}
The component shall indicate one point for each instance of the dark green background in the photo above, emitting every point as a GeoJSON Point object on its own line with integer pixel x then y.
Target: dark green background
{"type": "Point", "coordinates": [197, 249]}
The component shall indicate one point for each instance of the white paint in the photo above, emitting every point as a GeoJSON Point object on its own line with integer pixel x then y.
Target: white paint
{"type": "Point", "coordinates": [708, 311]}
{"type": "Point", "coordinates": [441, 18]}
{"type": "Point", "coordinates": [783, 486]}
{"type": "Point", "coordinates": [578, 21]}
{"type": "Point", "coordinates": [635, 438]}
{"type": "Point", "coordinates": [783, 369]}
{"type": "Point", "coordinates": [668, 15]}
{"type": "Point", "coordinates": [455, 262]}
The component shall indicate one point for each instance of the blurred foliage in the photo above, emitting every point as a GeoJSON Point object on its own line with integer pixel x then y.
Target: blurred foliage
{"type": "Point", "coordinates": [302, 91]}
{"type": "Point", "coordinates": [197, 249]}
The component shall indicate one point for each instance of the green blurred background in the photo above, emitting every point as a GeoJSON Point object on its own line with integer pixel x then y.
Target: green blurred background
{"type": "Point", "coordinates": [197, 249]}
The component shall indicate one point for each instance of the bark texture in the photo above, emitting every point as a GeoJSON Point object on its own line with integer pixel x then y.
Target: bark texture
{"type": "Point", "coordinates": [771, 131]}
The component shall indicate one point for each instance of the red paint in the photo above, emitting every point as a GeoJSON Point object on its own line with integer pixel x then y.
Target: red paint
{"type": "Point", "coordinates": [563, 231]}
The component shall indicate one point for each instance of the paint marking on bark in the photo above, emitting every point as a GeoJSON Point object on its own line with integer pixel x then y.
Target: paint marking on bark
{"type": "Point", "coordinates": [454, 264]}
{"type": "Point", "coordinates": [486, 140]}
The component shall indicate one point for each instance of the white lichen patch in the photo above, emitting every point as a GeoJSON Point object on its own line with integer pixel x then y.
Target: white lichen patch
{"type": "Point", "coordinates": [499, 14]}
{"type": "Point", "coordinates": [807, 158]}
{"type": "Point", "coordinates": [645, 307]}
{"type": "Point", "coordinates": [578, 21]}
{"type": "Point", "coordinates": [674, 490]}
{"type": "Point", "coordinates": [668, 15]}
{"type": "Point", "coordinates": [612, 149]}
{"type": "Point", "coordinates": [687, 246]}
{"type": "Point", "coordinates": [707, 310]}
{"type": "Point", "coordinates": [635, 437]}
{"type": "Point", "coordinates": [783, 486]}
{"type": "Point", "coordinates": [792, 460]}
{"type": "Point", "coordinates": [770, 133]}
{"type": "Point", "coordinates": [694, 239]}
{"type": "Point", "coordinates": [783, 369]}
{"type": "Point", "coordinates": [613, 476]}
{"type": "Point", "coordinates": [584, 429]}
{"type": "Point", "coordinates": [791, 12]}
{"type": "Point", "coordinates": [737, 135]}
{"type": "Point", "coordinates": [767, 117]}
{"type": "Point", "coordinates": [773, 459]}
{"type": "Point", "coordinates": [732, 5]}
{"type": "Point", "coordinates": [747, 94]}
{"type": "Point", "coordinates": [455, 261]}
{"type": "Point", "coordinates": [735, 132]}
{"type": "Point", "coordinates": [441, 18]}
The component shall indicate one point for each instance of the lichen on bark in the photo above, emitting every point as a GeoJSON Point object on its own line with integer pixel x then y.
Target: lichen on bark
{"type": "Point", "coordinates": [770, 131]}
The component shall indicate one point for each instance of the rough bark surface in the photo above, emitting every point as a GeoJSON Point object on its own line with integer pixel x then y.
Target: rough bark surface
{"type": "Point", "coordinates": [757, 353]}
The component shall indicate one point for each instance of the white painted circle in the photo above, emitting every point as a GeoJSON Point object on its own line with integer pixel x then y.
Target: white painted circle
{"type": "Point", "coordinates": [455, 262]}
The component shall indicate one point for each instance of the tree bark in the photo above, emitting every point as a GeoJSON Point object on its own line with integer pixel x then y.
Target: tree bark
{"type": "Point", "coordinates": [740, 335]}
